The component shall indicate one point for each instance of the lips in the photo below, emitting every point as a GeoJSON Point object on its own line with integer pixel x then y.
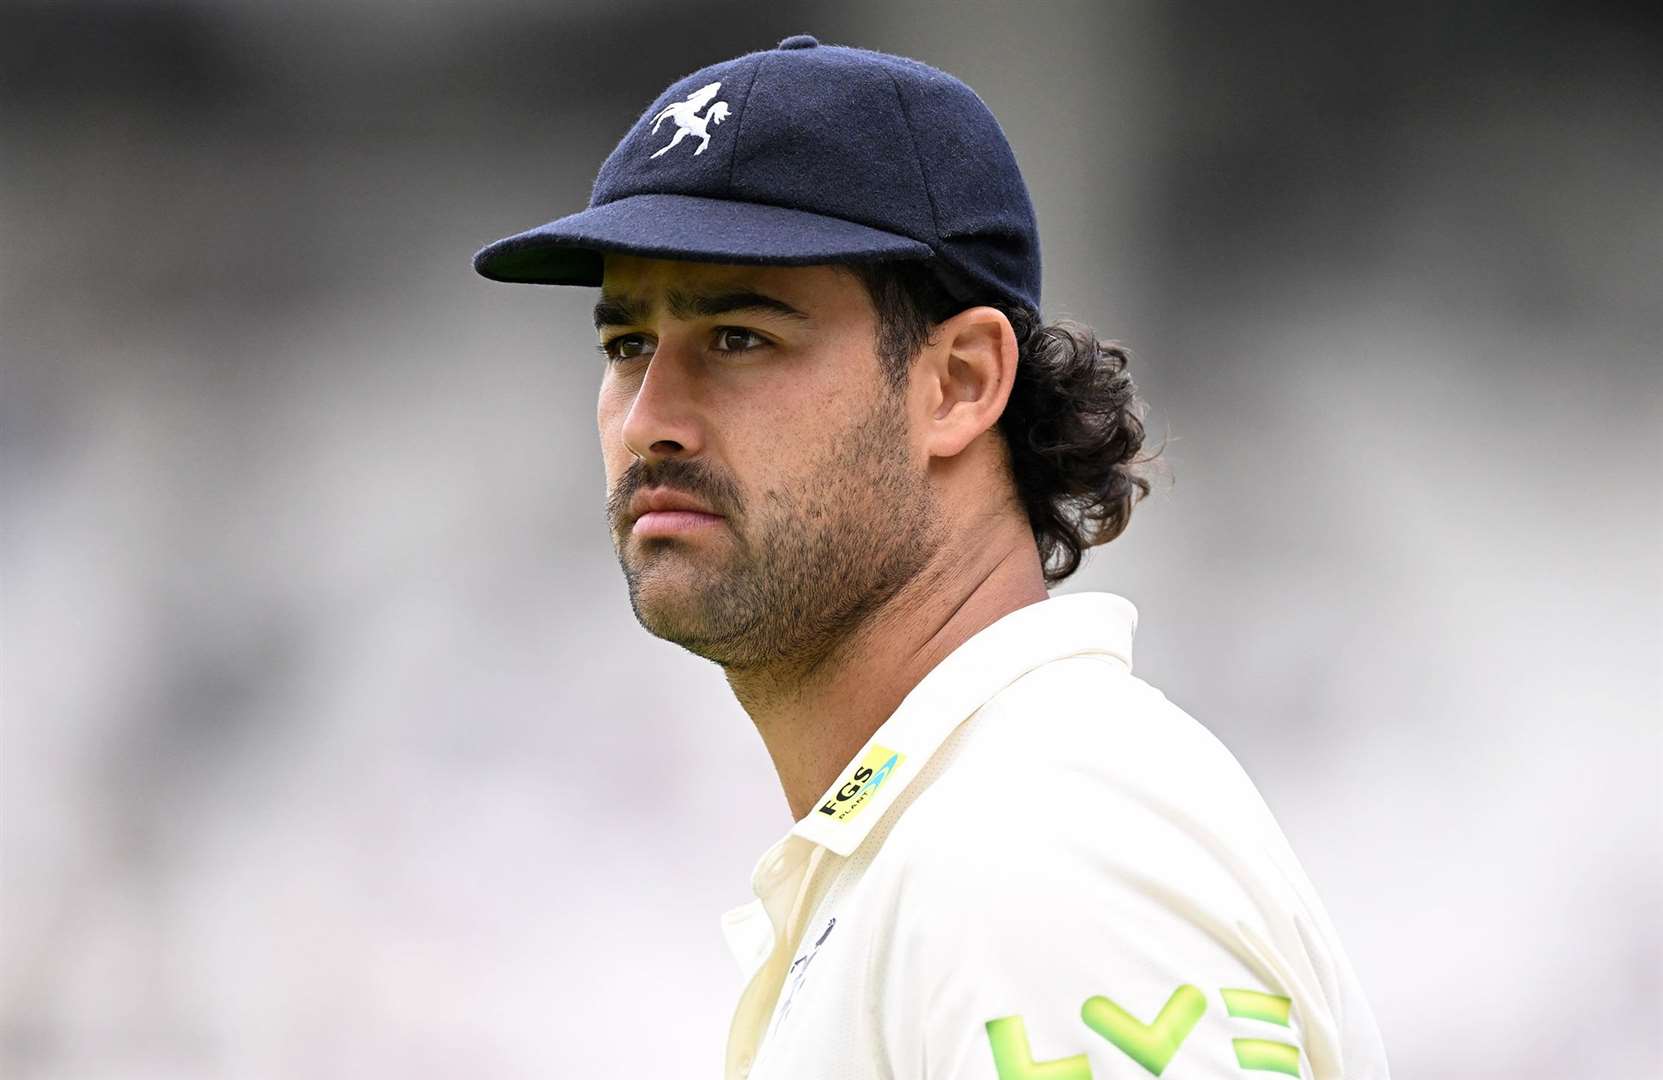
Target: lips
{"type": "Point", "coordinates": [663, 499]}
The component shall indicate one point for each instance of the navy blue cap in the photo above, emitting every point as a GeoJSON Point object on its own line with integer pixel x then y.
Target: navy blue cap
{"type": "Point", "coordinates": [804, 153]}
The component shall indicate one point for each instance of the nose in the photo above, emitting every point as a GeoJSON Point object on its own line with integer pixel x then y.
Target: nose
{"type": "Point", "coordinates": [663, 419]}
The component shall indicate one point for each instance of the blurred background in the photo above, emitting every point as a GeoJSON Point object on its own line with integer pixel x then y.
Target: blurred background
{"type": "Point", "coordinates": [331, 747]}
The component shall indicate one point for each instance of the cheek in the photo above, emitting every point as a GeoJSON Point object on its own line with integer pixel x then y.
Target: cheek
{"type": "Point", "coordinates": [612, 403]}
{"type": "Point", "coordinates": [782, 453]}
{"type": "Point", "coordinates": [610, 413]}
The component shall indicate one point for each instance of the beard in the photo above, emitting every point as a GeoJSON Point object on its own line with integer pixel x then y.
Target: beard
{"type": "Point", "coordinates": [802, 571]}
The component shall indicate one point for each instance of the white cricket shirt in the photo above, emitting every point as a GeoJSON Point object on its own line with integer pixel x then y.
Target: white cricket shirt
{"type": "Point", "coordinates": [1039, 868]}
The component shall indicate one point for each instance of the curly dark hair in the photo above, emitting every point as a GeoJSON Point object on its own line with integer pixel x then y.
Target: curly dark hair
{"type": "Point", "coordinates": [1073, 424]}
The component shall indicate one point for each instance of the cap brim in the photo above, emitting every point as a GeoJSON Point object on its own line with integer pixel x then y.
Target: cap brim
{"type": "Point", "coordinates": [569, 251]}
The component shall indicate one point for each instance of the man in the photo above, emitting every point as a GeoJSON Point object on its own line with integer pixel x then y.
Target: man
{"type": "Point", "coordinates": [845, 461]}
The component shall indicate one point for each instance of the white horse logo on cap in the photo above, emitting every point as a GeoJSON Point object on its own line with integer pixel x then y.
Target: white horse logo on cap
{"type": "Point", "coordinates": [687, 118]}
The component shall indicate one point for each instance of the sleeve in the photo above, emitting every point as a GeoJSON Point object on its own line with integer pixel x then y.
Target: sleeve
{"type": "Point", "coordinates": [1032, 944]}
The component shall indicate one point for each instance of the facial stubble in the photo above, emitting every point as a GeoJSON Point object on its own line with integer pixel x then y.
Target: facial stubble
{"type": "Point", "coordinates": [807, 568]}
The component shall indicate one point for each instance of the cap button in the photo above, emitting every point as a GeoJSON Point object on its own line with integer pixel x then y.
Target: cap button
{"type": "Point", "coordinates": [798, 41]}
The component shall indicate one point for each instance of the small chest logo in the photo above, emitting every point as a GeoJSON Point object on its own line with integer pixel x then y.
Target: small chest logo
{"type": "Point", "coordinates": [687, 118]}
{"type": "Point", "coordinates": [870, 772]}
{"type": "Point", "coordinates": [799, 971]}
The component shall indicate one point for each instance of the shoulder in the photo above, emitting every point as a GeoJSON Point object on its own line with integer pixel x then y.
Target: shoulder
{"type": "Point", "coordinates": [1083, 760]}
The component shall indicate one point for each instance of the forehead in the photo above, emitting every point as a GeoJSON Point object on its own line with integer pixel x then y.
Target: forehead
{"type": "Point", "coordinates": [671, 285]}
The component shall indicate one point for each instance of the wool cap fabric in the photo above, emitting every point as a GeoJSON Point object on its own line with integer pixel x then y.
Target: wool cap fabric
{"type": "Point", "coordinates": [801, 154]}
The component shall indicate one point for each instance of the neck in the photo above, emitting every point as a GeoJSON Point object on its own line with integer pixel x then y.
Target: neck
{"type": "Point", "coordinates": [814, 720]}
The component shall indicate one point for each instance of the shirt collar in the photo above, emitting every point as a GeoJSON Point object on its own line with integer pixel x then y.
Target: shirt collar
{"type": "Point", "coordinates": [1071, 624]}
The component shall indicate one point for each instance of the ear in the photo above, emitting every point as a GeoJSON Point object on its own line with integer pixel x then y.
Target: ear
{"type": "Point", "coordinates": [966, 374]}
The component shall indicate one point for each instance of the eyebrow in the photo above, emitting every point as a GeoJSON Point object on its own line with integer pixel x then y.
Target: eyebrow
{"type": "Point", "coordinates": [629, 310]}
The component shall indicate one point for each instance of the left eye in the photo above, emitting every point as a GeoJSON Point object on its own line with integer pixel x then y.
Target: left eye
{"type": "Point", "coordinates": [733, 338]}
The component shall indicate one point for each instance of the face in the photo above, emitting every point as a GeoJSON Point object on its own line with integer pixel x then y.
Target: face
{"type": "Point", "coordinates": [757, 392]}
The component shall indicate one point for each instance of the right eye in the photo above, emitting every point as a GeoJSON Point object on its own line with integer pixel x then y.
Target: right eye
{"type": "Point", "coordinates": [624, 347]}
